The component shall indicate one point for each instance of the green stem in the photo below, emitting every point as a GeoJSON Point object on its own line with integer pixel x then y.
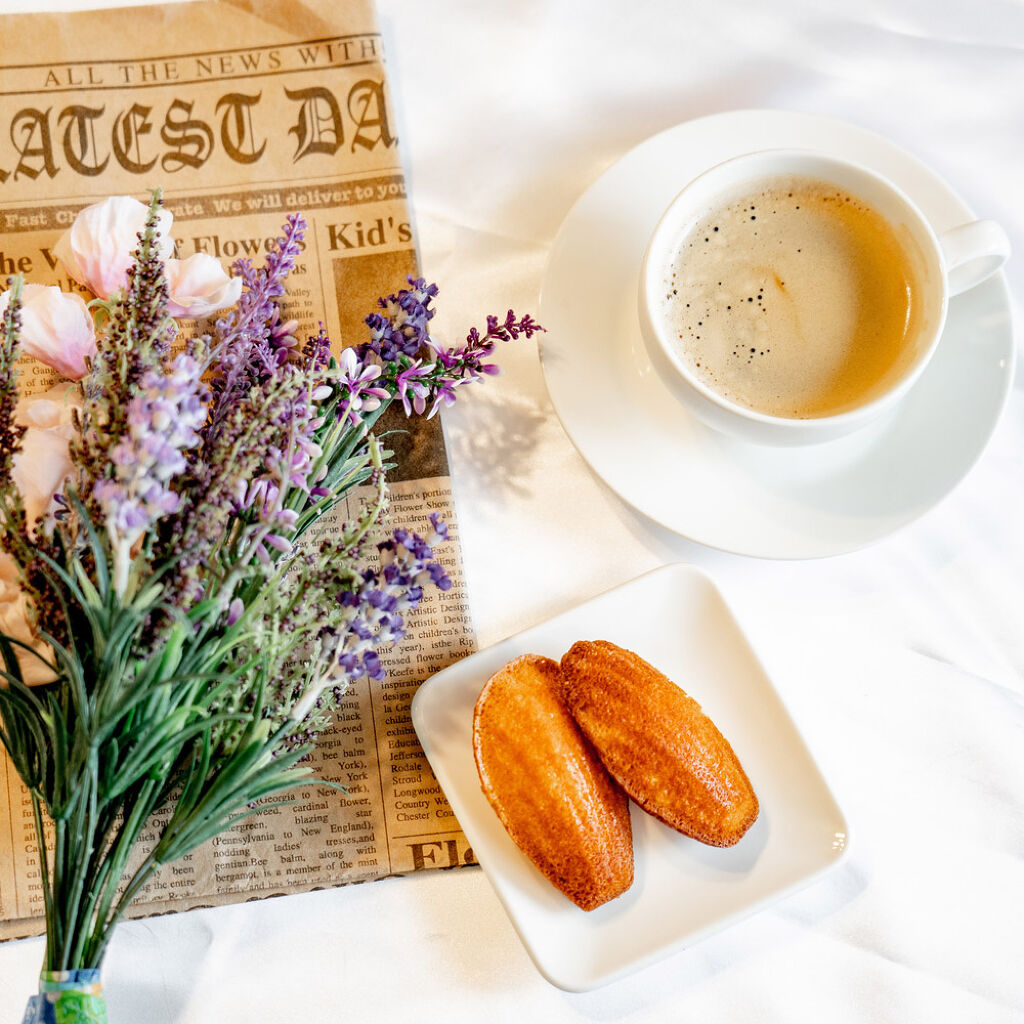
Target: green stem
{"type": "Point", "coordinates": [369, 521]}
{"type": "Point", "coordinates": [138, 880]}
{"type": "Point", "coordinates": [135, 884]}
{"type": "Point", "coordinates": [83, 857]}
{"type": "Point", "coordinates": [44, 876]}
{"type": "Point", "coordinates": [99, 869]}
{"type": "Point", "coordinates": [56, 941]}
{"type": "Point", "coordinates": [118, 856]}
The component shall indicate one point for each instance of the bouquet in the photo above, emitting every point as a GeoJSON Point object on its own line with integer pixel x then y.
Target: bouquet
{"type": "Point", "coordinates": [165, 638]}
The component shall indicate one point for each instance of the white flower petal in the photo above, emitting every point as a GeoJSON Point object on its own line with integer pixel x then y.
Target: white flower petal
{"type": "Point", "coordinates": [97, 249]}
{"type": "Point", "coordinates": [41, 467]}
{"type": "Point", "coordinates": [44, 462]}
{"type": "Point", "coordinates": [14, 621]}
{"type": "Point", "coordinates": [56, 328]}
{"type": "Point", "coordinates": [349, 362]}
{"type": "Point", "coordinates": [200, 286]}
{"type": "Point", "coordinates": [53, 408]}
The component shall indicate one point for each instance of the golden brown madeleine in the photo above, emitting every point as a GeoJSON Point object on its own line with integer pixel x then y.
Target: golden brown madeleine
{"type": "Point", "coordinates": [654, 738]}
{"type": "Point", "coordinates": [548, 786]}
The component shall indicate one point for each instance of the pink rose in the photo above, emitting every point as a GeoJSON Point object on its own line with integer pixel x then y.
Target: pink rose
{"type": "Point", "coordinates": [199, 286]}
{"type": "Point", "coordinates": [41, 469]}
{"type": "Point", "coordinates": [15, 622]}
{"type": "Point", "coordinates": [56, 328]}
{"type": "Point", "coordinates": [43, 465]}
{"type": "Point", "coordinates": [97, 249]}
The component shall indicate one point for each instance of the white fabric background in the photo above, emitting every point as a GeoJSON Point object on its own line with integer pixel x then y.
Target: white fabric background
{"type": "Point", "coordinates": [902, 663]}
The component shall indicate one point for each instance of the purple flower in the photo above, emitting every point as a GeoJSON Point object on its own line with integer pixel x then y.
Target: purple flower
{"type": "Point", "coordinates": [402, 328]}
{"type": "Point", "coordinates": [163, 420]}
{"type": "Point", "coordinates": [358, 392]}
{"type": "Point", "coordinates": [421, 371]}
{"type": "Point", "coordinates": [444, 394]}
{"type": "Point", "coordinates": [412, 386]}
{"type": "Point", "coordinates": [373, 611]}
{"type": "Point", "coordinates": [440, 528]}
{"type": "Point", "coordinates": [316, 352]}
{"type": "Point", "coordinates": [254, 344]}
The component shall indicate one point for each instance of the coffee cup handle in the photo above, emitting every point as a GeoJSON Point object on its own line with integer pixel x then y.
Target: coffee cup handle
{"type": "Point", "coordinates": [972, 253]}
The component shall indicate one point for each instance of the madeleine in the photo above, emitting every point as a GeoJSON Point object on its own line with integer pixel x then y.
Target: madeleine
{"type": "Point", "coordinates": [547, 785]}
{"type": "Point", "coordinates": [658, 743]}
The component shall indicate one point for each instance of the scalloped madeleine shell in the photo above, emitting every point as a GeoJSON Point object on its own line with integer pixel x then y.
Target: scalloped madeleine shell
{"type": "Point", "coordinates": [658, 743]}
{"type": "Point", "coordinates": [548, 787]}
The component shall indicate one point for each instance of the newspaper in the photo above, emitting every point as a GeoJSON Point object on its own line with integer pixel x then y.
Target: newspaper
{"type": "Point", "coordinates": [243, 112]}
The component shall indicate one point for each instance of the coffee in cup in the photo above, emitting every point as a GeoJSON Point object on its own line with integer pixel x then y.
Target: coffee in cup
{"type": "Point", "coordinates": [789, 297]}
{"type": "Point", "coordinates": [795, 298]}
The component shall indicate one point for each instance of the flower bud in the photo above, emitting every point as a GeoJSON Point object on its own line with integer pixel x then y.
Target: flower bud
{"type": "Point", "coordinates": [279, 543]}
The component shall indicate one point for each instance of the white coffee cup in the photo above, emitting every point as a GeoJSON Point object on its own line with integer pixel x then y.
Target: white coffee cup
{"type": "Point", "coordinates": [953, 262]}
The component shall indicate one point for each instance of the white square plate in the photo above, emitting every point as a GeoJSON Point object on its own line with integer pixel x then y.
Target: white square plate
{"type": "Point", "coordinates": [676, 618]}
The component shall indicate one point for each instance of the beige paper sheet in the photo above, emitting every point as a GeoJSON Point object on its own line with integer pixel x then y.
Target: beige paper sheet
{"type": "Point", "coordinates": [244, 112]}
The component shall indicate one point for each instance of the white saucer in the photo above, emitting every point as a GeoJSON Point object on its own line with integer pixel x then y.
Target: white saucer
{"type": "Point", "coordinates": [682, 890]}
{"type": "Point", "coordinates": [748, 499]}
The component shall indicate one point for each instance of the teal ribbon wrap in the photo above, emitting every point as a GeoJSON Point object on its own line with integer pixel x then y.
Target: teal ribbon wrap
{"type": "Point", "coordinates": [68, 997]}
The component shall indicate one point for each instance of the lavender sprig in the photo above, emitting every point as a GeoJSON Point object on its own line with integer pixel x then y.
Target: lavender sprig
{"type": "Point", "coordinates": [414, 367]}
{"type": "Point", "coordinates": [214, 534]}
{"type": "Point", "coordinates": [133, 342]}
{"type": "Point", "coordinates": [366, 615]}
{"type": "Point", "coordinates": [163, 420]}
{"type": "Point", "coordinates": [254, 342]}
{"type": "Point", "coordinates": [402, 328]}
{"type": "Point", "coordinates": [10, 432]}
